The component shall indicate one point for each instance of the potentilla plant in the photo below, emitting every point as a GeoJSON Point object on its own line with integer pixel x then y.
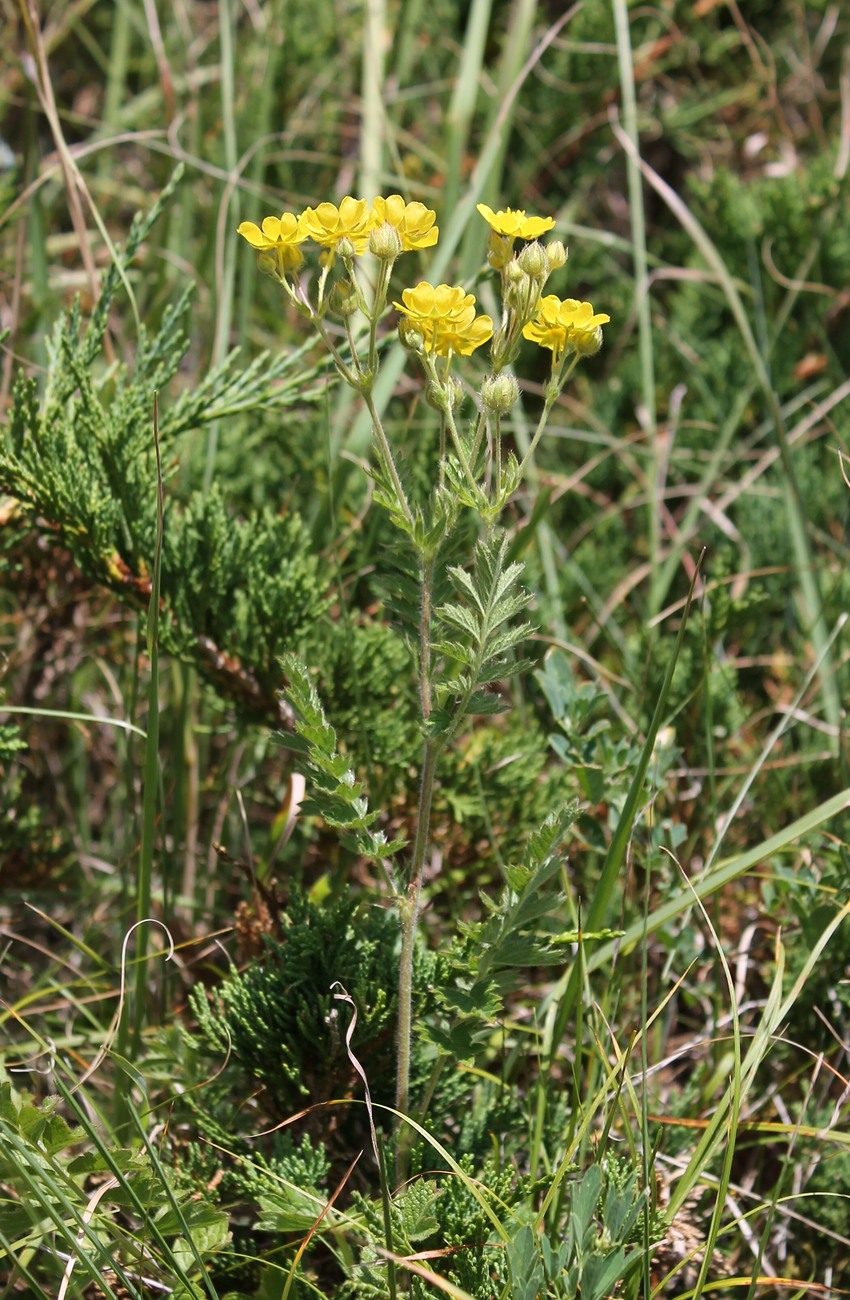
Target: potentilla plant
{"type": "Point", "coordinates": [467, 645]}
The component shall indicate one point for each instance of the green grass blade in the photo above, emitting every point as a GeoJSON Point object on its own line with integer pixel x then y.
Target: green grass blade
{"type": "Point", "coordinates": [615, 857]}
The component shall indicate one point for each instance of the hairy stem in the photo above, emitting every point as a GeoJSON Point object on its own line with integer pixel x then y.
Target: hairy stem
{"type": "Point", "coordinates": [409, 904]}
{"type": "Point", "coordinates": [409, 913]}
{"type": "Point", "coordinates": [387, 455]}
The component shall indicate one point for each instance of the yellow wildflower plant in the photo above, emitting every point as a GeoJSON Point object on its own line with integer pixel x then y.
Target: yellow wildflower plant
{"type": "Point", "coordinates": [278, 235]}
{"type": "Point", "coordinates": [566, 326]}
{"type": "Point", "coordinates": [413, 222]}
{"type": "Point", "coordinates": [512, 223]}
{"type": "Point", "coordinates": [328, 224]}
{"type": "Point", "coordinates": [445, 317]}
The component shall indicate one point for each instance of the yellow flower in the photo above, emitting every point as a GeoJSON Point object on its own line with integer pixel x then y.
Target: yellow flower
{"type": "Point", "coordinates": [514, 224]}
{"type": "Point", "coordinates": [328, 224]}
{"type": "Point", "coordinates": [566, 325]}
{"type": "Point", "coordinates": [278, 235]}
{"type": "Point", "coordinates": [445, 317]}
{"type": "Point", "coordinates": [424, 302]}
{"type": "Point", "coordinates": [413, 221]}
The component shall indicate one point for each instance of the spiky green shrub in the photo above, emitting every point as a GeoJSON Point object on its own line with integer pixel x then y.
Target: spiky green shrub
{"type": "Point", "coordinates": [278, 1021]}
{"type": "Point", "coordinates": [80, 459]}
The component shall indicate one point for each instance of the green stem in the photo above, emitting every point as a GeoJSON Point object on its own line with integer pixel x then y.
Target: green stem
{"type": "Point", "coordinates": [538, 432]}
{"type": "Point", "coordinates": [425, 637]}
{"type": "Point", "coordinates": [378, 305]}
{"type": "Point", "coordinates": [479, 433]}
{"type": "Point", "coordinates": [353, 380]}
{"type": "Point", "coordinates": [409, 913]}
{"type": "Point", "coordinates": [149, 799]}
{"type": "Point", "coordinates": [387, 456]}
{"type": "Point", "coordinates": [409, 904]}
{"type": "Point", "coordinates": [637, 213]}
{"type": "Point", "coordinates": [462, 457]}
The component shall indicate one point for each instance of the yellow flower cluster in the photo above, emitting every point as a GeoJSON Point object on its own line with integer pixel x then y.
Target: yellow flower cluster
{"type": "Point", "coordinates": [349, 230]}
{"type": "Point", "coordinates": [441, 319]}
{"type": "Point", "coordinates": [444, 317]}
{"type": "Point", "coordinates": [566, 326]}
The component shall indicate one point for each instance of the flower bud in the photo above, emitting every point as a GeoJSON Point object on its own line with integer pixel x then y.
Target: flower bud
{"type": "Point", "coordinates": [498, 393]}
{"type": "Point", "coordinates": [521, 293]}
{"type": "Point", "coordinates": [499, 251]}
{"type": "Point", "coordinates": [385, 242]}
{"type": "Point", "coordinates": [345, 248]}
{"type": "Point", "coordinates": [534, 261]}
{"type": "Point", "coordinates": [589, 342]}
{"type": "Point", "coordinates": [556, 255]}
{"type": "Point", "coordinates": [410, 335]}
{"type": "Point", "coordinates": [267, 265]}
{"type": "Point", "coordinates": [445, 395]}
{"type": "Point", "coordinates": [342, 300]}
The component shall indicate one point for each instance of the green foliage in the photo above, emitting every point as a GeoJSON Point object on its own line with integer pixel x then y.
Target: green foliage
{"type": "Point", "coordinates": [519, 932]}
{"type": "Point", "coordinates": [605, 1206]}
{"type": "Point", "coordinates": [81, 462]}
{"type": "Point", "coordinates": [337, 796]}
{"type": "Point", "coordinates": [443, 1213]}
{"type": "Point", "coordinates": [367, 671]}
{"type": "Point", "coordinates": [476, 636]}
{"type": "Point", "coordinates": [44, 1199]}
{"type": "Point", "coordinates": [11, 742]}
{"type": "Point", "coordinates": [740, 116]}
{"type": "Point", "coordinates": [278, 1019]}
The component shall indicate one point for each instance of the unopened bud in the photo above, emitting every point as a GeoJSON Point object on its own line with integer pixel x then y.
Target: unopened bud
{"type": "Point", "coordinates": [499, 251]}
{"type": "Point", "coordinates": [534, 261]}
{"type": "Point", "coordinates": [345, 249]}
{"type": "Point", "coordinates": [342, 300]}
{"type": "Point", "coordinates": [267, 265]}
{"type": "Point", "coordinates": [410, 335]}
{"type": "Point", "coordinates": [556, 255]}
{"type": "Point", "coordinates": [521, 292]}
{"type": "Point", "coordinates": [385, 242]}
{"type": "Point", "coordinates": [589, 342]}
{"type": "Point", "coordinates": [445, 395]}
{"type": "Point", "coordinates": [498, 393]}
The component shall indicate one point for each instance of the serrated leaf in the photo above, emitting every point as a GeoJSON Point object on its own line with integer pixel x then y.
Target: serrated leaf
{"type": "Point", "coordinates": [458, 617]}
{"type": "Point", "coordinates": [507, 639]}
{"type": "Point", "coordinates": [453, 650]}
{"type": "Point", "coordinates": [510, 575]}
{"type": "Point", "coordinates": [486, 703]}
{"type": "Point", "coordinates": [463, 582]}
{"type": "Point", "coordinates": [418, 1220]}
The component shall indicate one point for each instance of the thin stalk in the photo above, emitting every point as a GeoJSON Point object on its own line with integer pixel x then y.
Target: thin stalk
{"type": "Point", "coordinates": [224, 313]}
{"type": "Point", "coordinates": [467, 88]}
{"type": "Point", "coordinates": [425, 638]}
{"type": "Point", "coordinates": [409, 914]}
{"type": "Point", "coordinates": [116, 89]}
{"type": "Point", "coordinates": [409, 903]}
{"type": "Point", "coordinates": [641, 270]}
{"type": "Point", "coordinates": [387, 457]}
{"type": "Point", "coordinates": [149, 803]}
{"type": "Point", "coordinates": [462, 457]}
{"type": "Point", "coordinates": [551, 396]}
{"type": "Point", "coordinates": [375, 25]}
